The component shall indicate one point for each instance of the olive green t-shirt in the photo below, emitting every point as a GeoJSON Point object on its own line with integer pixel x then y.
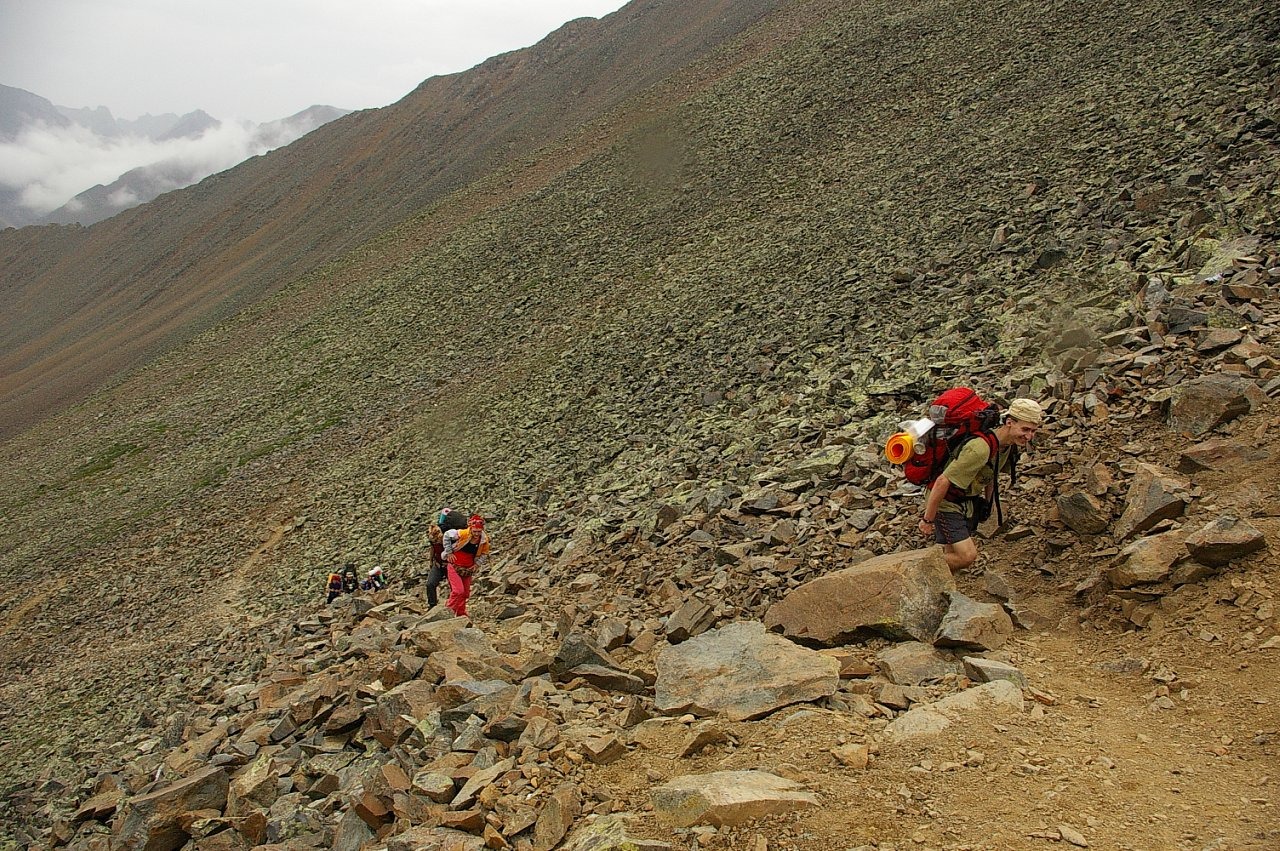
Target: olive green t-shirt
{"type": "Point", "coordinates": [970, 471]}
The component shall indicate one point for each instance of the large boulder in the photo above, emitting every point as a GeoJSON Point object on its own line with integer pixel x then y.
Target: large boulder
{"type": "Point", "coordinates": [1202, 404]}
{"type": "Point", "coordinates": [1147, 560]}
{"type": "Point", "coordinates": [1224, 540]}
{"type": "Point", "coordinates": [728, 798]}
{"type": "Point", "coordinates": [742, 672]}
{"type": "Point", "coordinates": [900, 595]}
{"type": "Point", "coordinates": [152, 822]}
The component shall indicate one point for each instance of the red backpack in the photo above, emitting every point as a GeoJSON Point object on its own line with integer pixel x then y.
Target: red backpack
{"type": "Point", "coordinates": [960, 415]}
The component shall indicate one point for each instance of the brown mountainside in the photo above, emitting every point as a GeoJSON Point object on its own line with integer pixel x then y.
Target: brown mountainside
{"type": "Point", "coordinates": [660, 345]}
{"type": "Point", "coordinates": [79, 305]}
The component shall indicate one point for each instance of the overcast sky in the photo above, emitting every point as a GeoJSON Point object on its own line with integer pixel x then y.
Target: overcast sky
{"type": "Point", "coordinates": [258, 59]}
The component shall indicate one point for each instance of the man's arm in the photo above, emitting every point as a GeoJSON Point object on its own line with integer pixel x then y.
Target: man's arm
{"type": "Point", "coordinates": [936, 494]}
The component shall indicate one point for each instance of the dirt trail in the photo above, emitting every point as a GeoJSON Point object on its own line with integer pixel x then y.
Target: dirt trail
{"type": "Point", "coordinates": [33, 597]}
{"type": "Point", "coordinates": [230, 593]}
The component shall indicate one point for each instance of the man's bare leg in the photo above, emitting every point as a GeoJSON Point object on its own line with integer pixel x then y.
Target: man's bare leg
{"type": "Point", "coordinates": [960, 555]}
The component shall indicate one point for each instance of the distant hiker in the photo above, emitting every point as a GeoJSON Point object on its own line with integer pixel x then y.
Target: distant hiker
{"type": "Point", "coordinates": [464, 551]}
{"type": "Point", "coordinates": [435, 574]}
{"type": "Point", "coordinates": [446, 520]}
{"type": "Point", "coordinates": [334, 587]}
{"type": "Point", "coordinates": [350, 580]}
{"type": "Point", "coordinates": [375, 581]}
{"type": "Point", "coordinates": [960, 497]}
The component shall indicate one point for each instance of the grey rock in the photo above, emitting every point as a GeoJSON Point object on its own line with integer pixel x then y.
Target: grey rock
{"type": "Point", "coordinates": [694, 617]}
{"type": "Point", "coordinates": [467, 794]}
{"type": "Point", "coordinates": [989, 670]}
{"type": "Point", "coordinates": [900, 595]}
{"type": "Point", "coordinates": [576, 650]}
{"type": "Point", "coordinates": [557, 816]}
{"type": "Point", "coordinates": [151, 822]}
{"type": "Point", "coordinates": [728, 798]}
{"type": "Point", "coordinates": [1220, 454]}
{"type": "Point", "coordinates": [1155, 494]}
{"type": "Point", "coordinates": [1082, 512]}
{"type": "Point", "coordinates": [992, 699]}
{"type": "Point", "coordinates": [822, 463]}
{"type": "Point", "coordinates": [968, 623]}
{"type": "Point", "coordinates": [425, 838]}
{"type": "Point", "coordinates": [1202, 404]}
{"type": "Point", "coordinates": [610, 833]}
{"type": "Point", "coordinates": [742, 672]}
{"type": "Point", "coordinates": [702, 736]}
{"type": "Point", "coordinates": [608, 679]}
{"type": "Point", "coordinates": [914, 663]}
{"type": "Point", "coordinates": [1147, 560]}
{"type": "Point", "coordinates": [352, 833]}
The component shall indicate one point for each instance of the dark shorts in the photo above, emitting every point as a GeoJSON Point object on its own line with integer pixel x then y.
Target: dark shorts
{"type": "Point", "coordinates": [952, 527]}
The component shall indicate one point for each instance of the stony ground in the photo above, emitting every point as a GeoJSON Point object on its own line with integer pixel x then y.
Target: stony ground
{"type": "Point", "coordinates": [669, 324]}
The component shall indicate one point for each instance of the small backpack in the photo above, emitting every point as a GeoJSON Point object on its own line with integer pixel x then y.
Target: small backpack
{"type": "Point", "coordinates": [959, 415]}
{"type": "Point", "coordinates": [452, 518]}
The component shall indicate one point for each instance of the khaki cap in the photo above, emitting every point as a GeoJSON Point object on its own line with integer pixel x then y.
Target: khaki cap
{"type": "Point", "coordinates": [1026, 410]}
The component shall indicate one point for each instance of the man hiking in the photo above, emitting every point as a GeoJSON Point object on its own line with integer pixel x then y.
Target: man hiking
{"type": "Point", "coordinates": [960, 497]}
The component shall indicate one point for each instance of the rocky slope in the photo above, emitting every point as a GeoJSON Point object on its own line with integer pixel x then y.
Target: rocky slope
{"type": "Point", "coordinates": [665, 370]}
{"type": "Point", "coordinates": [78, 306]}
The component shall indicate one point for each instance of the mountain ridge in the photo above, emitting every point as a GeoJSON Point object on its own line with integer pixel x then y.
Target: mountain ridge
{"type": "Point", "coordinates": [173, 151]}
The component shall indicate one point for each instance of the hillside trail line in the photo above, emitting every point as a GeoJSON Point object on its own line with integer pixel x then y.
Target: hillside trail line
{"type": "Point", "coordinates": [33, 599]}
{"type": "Point", "coordinates": [229, 607]}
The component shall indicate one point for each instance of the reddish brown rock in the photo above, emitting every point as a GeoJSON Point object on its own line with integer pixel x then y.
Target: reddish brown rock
{"type": "Point", "coordinates": [1155, 494]}
{"type": "Point", "coordinates": [151, 822]}
{"type": "Point", "coordinates": [1225, 540]}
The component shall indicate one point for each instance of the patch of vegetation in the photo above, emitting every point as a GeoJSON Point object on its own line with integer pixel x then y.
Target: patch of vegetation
{"type": "Point", "coordinates": [212, 476]}
{"type": "Point", "coordinates": [105, 460]}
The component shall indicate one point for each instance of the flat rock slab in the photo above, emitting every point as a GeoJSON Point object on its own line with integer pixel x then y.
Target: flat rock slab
{"type": "Point", "coordinates": [899, 595]}
{"type": "Point", "coordinates": [1220, 455]}
{"type": "Point", "coordinates": [610, 833]}
{"type": "Point", "coordinates": [728, 798]}
{"type": "Point", "coordinates": [742, 672]}
{"type": "Point", "coordinates": [989, 699]}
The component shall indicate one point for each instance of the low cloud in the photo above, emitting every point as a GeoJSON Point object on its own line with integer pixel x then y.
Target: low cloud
{"type": "Point", "coordinates": [48, 166]}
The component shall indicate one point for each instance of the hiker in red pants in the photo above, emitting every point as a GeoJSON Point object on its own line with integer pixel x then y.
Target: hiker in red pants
{"type": "Point", "coordinates": [464, 552]}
